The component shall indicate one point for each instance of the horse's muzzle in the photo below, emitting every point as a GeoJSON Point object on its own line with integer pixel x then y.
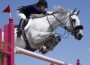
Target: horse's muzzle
{"type": "Point", "coordinates": [76, 32]}
{"type": "Point", "coordinates": [80, 37]}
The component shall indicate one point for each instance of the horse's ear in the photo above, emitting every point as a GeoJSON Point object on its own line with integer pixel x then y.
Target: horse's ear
{"type": "Point", "coordinates": [74, 11]}
{"type": "Point", "coordinates": [78, 12]}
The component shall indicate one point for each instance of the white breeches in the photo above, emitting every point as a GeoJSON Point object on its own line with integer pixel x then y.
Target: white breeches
{"type": "Point", "coordinates": [21, 15]}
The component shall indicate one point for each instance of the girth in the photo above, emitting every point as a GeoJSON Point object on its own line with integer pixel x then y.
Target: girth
{"type": "Point", "coordinates": [28, 47]}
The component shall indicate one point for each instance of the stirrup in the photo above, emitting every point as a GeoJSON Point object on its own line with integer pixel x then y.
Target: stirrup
{"type": "Point", "coordinates": [19, 32]}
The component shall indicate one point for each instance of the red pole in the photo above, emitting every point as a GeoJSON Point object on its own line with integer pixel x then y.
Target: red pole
{"type": "Point", "coordinates": [78, 62]}
{"type": "Point", "coordinates": [11, 41]}
{"type": "Point", "coordinates": [0, 45]}
{"type": "Point", "coordinates": [5, 47]}
{"type": "Point", "coordinates": [0, 38]}
{"type": "Point", "coordinates": [52, 64]}
{"type": "Point", "coordinates": [8, 47]}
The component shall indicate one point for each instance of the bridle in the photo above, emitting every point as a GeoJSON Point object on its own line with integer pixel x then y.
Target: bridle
{"type": "Point", "coordinates": [62, 26]}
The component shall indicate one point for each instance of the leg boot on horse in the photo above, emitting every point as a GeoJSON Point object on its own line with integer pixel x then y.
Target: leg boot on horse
{"type": "Point", "coordinates": [50, 44]}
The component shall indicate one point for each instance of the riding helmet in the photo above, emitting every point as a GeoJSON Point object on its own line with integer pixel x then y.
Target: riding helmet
{"type": "Point", "coordinates": [42, 2]}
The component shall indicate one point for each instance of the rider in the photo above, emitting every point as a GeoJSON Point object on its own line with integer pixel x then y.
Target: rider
{"type": "Point", "coordinates": [25, 12]}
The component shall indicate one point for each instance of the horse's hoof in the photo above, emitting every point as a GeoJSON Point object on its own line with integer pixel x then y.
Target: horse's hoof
{"type": "Point", "coordinates": [40, 50]}
{"type": "Point", "coordinates": [44, 52]}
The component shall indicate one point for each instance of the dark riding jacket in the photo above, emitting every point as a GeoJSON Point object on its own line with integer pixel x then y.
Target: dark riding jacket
{"type": "Point", "coordinates": [31, 9]}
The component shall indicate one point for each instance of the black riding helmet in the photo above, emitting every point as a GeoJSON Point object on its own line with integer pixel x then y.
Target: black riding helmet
{"type": "Point", "coordinates": [42, 2]}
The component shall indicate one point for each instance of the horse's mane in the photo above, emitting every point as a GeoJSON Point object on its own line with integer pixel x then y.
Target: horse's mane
{"type": "Point", "coordinates": [59, 9]}
{"type": "Point", "coordinates": [56, 9]}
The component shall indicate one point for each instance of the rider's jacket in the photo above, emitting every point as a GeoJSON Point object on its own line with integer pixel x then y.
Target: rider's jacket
{"type": "Point", "coordinates": [30, 9]}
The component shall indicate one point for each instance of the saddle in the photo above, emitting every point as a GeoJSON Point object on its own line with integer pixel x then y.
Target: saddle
{"type": "Point", "coordinates": [23, 23]}
{"type": "Point", "coordinates": [33, 16]}
{"type": "Point", "coordinates": [21, 32]}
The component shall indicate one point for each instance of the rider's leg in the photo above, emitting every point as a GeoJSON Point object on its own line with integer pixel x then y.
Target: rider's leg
{"type": "Point", "coordinates": [21, 26]}
{"type": "Point", "coordinates": [22, 20]}
{"type": "Point", "coordinates": [19, 29]}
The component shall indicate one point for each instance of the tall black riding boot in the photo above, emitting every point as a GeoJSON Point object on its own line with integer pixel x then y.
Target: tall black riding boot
{"type": "Point", "coordinates": [19, 29]}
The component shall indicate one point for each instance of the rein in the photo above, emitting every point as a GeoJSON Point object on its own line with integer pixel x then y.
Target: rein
{"type": "Point", "coordinates": [60, 26]}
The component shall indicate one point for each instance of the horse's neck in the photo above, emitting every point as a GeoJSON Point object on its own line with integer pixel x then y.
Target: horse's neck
{"type": "Point", "coordinates": [49, 21]}
{"type": "Point", "coordinates": [58, 21]}
{"type": "Point", "coordinates": [52, 21]}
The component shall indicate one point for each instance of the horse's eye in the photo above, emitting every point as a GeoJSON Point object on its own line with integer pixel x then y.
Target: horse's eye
{"type": "Point", "coordinates": [73, 20]}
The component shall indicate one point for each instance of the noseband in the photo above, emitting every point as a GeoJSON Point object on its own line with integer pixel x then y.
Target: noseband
{"type": "Point", "coordinates": [78, 27]}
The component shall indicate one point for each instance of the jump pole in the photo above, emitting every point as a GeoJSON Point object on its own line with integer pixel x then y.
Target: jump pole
{"type": "Point", "coordinates": [39, 56]}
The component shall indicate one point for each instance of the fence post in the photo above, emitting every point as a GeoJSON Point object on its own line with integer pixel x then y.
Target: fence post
{"type": "Point", "coordinates": [0, 45]}
{"type": "Point", "coordinates": [7, 48]}
{"type": "Point", "coordinates": [5, 44]}
{"type": "Point", "coordinates": [11, 41]}
{"type": "Point", "coordinates": [78, 62]}
{"type": "Point", "coordinates": [52, 64]}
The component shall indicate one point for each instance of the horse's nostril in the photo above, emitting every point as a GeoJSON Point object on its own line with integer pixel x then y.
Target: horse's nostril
{"type": "Point", "coordinates": [80, 35]}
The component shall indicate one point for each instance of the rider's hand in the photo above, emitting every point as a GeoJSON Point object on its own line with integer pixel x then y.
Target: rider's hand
{"type": "Point", "coordinates": [49, 13]}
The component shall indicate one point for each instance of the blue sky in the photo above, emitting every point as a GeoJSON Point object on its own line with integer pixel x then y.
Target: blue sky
{"type": "Point", "coordinates": [68, 50]}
